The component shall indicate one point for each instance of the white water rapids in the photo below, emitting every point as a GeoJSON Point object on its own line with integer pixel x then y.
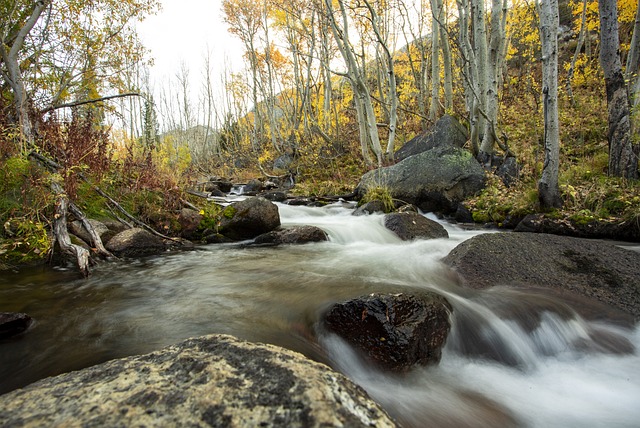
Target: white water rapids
{"type": "Point", "coordinates": [512, 358]}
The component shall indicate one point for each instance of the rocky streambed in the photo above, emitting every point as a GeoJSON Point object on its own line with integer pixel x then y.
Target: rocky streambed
{"type": "Point", "coordinates": [532, 330]}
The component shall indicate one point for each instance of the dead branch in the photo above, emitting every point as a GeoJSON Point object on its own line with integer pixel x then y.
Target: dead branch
{"type": "Point", "coordinates": [96, 241]}
{"type": "Point", "coordinates": [61, 234]}
{"type": "Point", "coordinates": [97, 100]}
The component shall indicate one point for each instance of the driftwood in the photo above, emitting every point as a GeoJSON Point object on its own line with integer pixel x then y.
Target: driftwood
{"type": "Point", "coordinates": [61, 234]}
{"type": "Point", "coordinates": [54, 166]}
{"type": "Point", "coordinates": [126, 214]}
{"type": "Point", "coordinates": [96, 241]}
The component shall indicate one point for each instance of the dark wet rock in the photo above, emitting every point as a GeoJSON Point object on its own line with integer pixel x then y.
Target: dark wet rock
{"type": "Point", "coordinates": [253, 187]}
{"type": "Point", "coordinates": [215, 192]}
{"type": "Point", "coordinates": [275, 196]}
{"type": "Point", "coordinates": [216, 238]}
{"type": "Point", "coordinates": [299, 202]}
{"type": "Point", "coordinates": [410, 226]}
{"type": "Point", "coordinates": [189, 221]}
{"type": "Point", "coordinates": [135, 242]}
{"type": "Point", "coordinates": [628, 230]}
{"type": "Point", "coordinates": [447, 131]}
{"type": "Point", "coordinates": [368, 208]}
{"type": "Point", "coordinates": [220, 184]}
{"type": "Point", "coordinates": [394, 331]}
{"type": "Point", "coordinates": [435, 181]}
{"type": "Point", "coordinates": [208, 381]}
{"type": "Point", "coordinates": [292, 235]}
{"type": "Point", "coordinates": [463, 215]}
{"type": "Point", "coordinates": [249, 218]}
{"type": "Point", "coordinates": [12, 324]}
{"type": "Point", "coordinates": [589, 268]}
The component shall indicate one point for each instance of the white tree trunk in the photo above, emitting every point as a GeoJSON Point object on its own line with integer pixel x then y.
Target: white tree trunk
{"type": "Point", "coordinates": [436, 18]}
{"type": "Point", "coordinates": [633, 59]}
{"type": "Point", "coordinates": [478, 16]}
{"type": "Point", "coordinates": [623, 153]}
{"type": "Point", "coordinates": [369, 137]}
{"type": "Point", "coordinates": [10, 46]}
{"type": "Point", "coordinates": [494, 63]}
{"type": "Point", "coordinates": [548, 191]}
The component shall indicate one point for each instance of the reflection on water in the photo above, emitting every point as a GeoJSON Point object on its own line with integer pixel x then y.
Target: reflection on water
{"type": "Point", "coordinates": [512, 359]}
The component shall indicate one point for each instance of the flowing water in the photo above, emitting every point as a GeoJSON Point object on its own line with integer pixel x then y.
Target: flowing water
{"type": "Point", "coordinates": [513, 358]}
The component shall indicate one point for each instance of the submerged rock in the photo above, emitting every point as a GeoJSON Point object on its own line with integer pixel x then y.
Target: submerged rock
{"type": "Point", "coordinates": [395, 331]}
{"type": "Point", "coordinates": [13, 323]}
{"type": "Point", "coordinates": [410, 225]}
{"type": "Point", "coordinates": [593, 269]}
{"type": "Point", "coordinates": [208, 381]}
{"type": "Point", "coordinates": [292, 235]}
{"type": "Point", "coordinates": [249, 218]}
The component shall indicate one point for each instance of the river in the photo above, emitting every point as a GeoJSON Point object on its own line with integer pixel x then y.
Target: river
{"type": "Point", "coordinates": [512, 358]}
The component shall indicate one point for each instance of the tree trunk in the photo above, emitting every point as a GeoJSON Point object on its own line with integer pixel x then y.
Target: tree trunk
{"type": "Point", "coordinates": [632, 70]}
{"type": "Point", "coordinates": [548, 192]}
{"type": "Point", "coordinates": [581, 37]}
{"type": "Point", "coordinates": [436, 12]}
{"type": "Point", "coordinates": [10, 47]}
{"type": "Point", "coordinates": [356, 76]}
{"type": "Point", "coordinates": [623, 154]}
{"type": "Point", "coordinates": [478, 16]}
{"type": "Point", "coordinates": [494, 62]}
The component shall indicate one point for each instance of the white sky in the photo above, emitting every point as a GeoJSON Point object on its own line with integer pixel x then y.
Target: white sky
{"type": "Point", "coordinates": [182, 32]}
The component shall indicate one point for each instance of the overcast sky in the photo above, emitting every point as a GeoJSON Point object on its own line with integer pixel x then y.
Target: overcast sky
{"type": "Point", "coordinates": [183, 31]}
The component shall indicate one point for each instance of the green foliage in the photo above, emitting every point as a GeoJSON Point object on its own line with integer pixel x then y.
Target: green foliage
{"type": "Point", "coordinates": [497, 202]}
{"type": "Point", "coordinates": [229, 211]}
{"type": "Point", "coordinates": [211, 214]}
{"type": "Point", "coordinates": [379, 193]}
{"type": "Point", "coordinates": [26, 241]}
{"type": "Point", "coordinates": [601, 198]}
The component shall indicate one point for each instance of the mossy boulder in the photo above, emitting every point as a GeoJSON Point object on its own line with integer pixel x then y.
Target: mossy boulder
{"type": "Point", "coordinates": [447, 131]}
{"type": "Point", "coordinates": [436, 180]}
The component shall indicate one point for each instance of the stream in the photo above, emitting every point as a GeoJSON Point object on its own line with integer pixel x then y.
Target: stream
{"type": "Point", "coordinates": [513, 358]}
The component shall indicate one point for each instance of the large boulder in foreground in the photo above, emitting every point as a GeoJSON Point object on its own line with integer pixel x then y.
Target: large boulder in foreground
{"type": "Point", "coordinates": [208, 381]}
{"type": "Point", "coordinates": [249, 218]}
{"type": "Point", "coordinates": [13, 323]}
{"type": "Point", "coordinates": [587, 268]}
{"type": "Point", "coordinates": [394, 331]}
{"type": "Point", "coordinates": [410, 225]}
{"type": "Point", "coordinates": [292, 235]}
{"type": "Point", "coordinates": [435, 181]}
{"type": "Point", "coordinates": [447, 131]}
{"type": "Point", "coordinates": [135, 242]}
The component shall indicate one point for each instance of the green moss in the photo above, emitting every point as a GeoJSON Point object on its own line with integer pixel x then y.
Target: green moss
{"type": "Point", "coordinates": [480, 217]}
{"type": "Point", "coordinates": [582, 217]}
{"type": "Point", "coordinates": [211, 214]}
{"type": "Point", "coordinates": [229, 211]}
